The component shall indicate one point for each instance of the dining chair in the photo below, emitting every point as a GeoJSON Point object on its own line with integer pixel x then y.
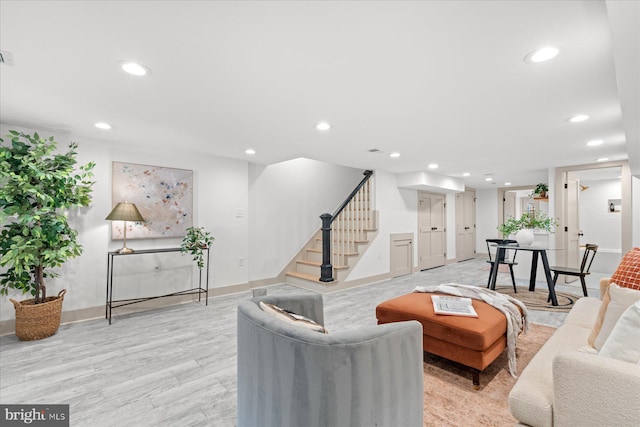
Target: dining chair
{"type": "Point", "coordinates": [587, 259]}
{"type": "Point", "coordinates": [505, 260]}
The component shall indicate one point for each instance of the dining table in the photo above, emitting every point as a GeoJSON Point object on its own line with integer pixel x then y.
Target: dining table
{"type": "Point", "coordinates": [537, 251]}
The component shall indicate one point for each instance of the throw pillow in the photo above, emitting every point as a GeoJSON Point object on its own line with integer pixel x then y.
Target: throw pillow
{"type": "Point", "coordinates": [291, 317]}
{"type": "Point", "coordinates": [623, 342]}
{"type": "Point", "coordinates": [627, 274]}
{"type": "Point", "coordinates": [621, 299]}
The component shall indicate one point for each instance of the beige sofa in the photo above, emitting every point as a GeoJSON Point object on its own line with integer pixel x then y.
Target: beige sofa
{"type": "Point", "coordinates": [563, 386]}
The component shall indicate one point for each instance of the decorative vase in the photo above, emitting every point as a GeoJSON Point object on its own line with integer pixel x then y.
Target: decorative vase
{"type": "Point", "coordinates": [525, 237]}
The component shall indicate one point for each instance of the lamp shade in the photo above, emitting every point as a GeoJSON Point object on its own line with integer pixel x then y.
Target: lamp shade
{"type": "Point", "coordinates": [125, 211]}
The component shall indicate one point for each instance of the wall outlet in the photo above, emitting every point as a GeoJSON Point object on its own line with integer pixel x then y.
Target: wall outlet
{"type": "Point", "coordinates": [239, 213]}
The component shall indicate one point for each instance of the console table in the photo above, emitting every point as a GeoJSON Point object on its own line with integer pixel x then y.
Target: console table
{"type": "Point", "coordinates": [111, 303]}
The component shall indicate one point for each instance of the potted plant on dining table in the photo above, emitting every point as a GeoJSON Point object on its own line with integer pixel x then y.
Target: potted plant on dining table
{"type": "Point", "coordinates": [523, 227]}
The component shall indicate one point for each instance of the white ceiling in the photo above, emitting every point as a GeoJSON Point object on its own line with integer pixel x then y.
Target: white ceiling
{"type": "Point", "coordinates": [439, 82]}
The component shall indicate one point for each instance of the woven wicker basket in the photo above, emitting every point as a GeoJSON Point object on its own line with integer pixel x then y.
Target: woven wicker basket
{"type": "Point", "coordinates": [37, 321]}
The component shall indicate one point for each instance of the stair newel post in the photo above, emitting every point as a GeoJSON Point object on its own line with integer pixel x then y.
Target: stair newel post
{"type": "Point", "coordinates": [326, 269]}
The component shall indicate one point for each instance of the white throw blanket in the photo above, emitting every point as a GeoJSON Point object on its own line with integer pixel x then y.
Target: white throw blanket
{"type": "Point", "coordinates": [516, 322]}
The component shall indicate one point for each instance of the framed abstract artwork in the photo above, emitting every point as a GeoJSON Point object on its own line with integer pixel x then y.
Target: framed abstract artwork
{"type": "Point", "coordinates": [164, 197]}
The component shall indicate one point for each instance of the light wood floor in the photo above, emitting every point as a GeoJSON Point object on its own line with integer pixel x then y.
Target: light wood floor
{"type": "Point", "coordinates": [177, 366]}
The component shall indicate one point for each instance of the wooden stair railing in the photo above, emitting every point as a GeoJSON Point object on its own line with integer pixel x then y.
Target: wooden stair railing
{"type": "Point", "coordinates": [342, 231]}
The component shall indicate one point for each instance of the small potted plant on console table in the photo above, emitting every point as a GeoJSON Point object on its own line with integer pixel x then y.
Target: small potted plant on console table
{"type": "Point", "coordinates": [195, 242]}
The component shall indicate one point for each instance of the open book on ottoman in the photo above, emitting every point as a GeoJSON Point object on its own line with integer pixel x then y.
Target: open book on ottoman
{"type": "Point", "coordinates": [453, 306]}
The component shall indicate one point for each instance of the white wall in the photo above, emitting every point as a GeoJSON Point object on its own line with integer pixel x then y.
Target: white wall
{"type": "Point", "coordinates": [398, 214]}
{"type": "Point", "coordinates": [285, 201]}
{"type": "Point", "coordinates": [220, 188]}
{"type": "Point", "coordinates": [598, 224]}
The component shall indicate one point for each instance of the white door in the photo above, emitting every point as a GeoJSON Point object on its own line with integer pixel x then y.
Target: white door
{"type": "Point", "coordinates": [572, 222]}
{"type": "Point", "coordinates": [460, 234]}
{"type": "Point", "coordinates": [465, 225]}
{"type": "Point", "coordinates": [431, 229]}
{"type": "Point", "coordinates": [508, 207]}
{"type": "Point", "coordinates": [470, 224]}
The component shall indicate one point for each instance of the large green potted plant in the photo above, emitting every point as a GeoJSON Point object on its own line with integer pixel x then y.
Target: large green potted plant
{"type": "Point", "coordinates": [37, 188]}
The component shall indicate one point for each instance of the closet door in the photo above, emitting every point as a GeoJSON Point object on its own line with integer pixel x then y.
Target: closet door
{"type": "Point", "coordinates": [468, 225]}
{"type": "Point", "coordinates": [465, 225]}
{"type": "Point", "coordinates": [432, 232]}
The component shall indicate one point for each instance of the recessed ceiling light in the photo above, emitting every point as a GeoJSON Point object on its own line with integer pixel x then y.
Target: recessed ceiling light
{"type": "Point", "coordinates": [507, 183]}
{"type": "Point", "coordinates": [394, 155]}
{"type": "Point", "coordinates": [466, 174]}
{"type": "Point", "coordinates": [323, 126]}
{"type": "Point", "coordinates": [602, 159]}
{"type": "Point", "coordinates": [250, 151]}
{"type": "Point", "coordinates": [595, 142]}
{"type": "Point", "coordinates": [488, 179]}
{"type": "Point", "coordinates": [103, 125]}
{"type": "Point", "coordinates": [541, 55]}
{"type": "Point", "coordinates": [433, 166]}
{"type": "Point", "coordinates": [134, 68]}
{"type": "Point", "coordinates": [579, 118]}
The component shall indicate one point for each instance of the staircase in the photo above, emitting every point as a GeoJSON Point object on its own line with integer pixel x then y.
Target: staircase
{"type": "Point", "coordinates": [325, 260]}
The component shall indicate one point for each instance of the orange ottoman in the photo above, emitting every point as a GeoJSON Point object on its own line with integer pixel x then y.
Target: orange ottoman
{"type": "Point", "coordinates": [471, 341]}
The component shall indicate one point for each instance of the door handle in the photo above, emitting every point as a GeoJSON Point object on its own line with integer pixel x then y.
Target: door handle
{"type": "Point", "coordinates": [466, 228]}
{"type": "Point", "coordinates": [580, 233]}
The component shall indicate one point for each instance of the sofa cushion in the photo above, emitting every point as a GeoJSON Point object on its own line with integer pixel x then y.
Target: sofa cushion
{"type": "Point", "coordinates": [584, 315]}
{"type": "Point", "coordinates": [623, 342]}
{"type": "Point", "coordinates": [628, 273]}
{"type": "Point", "coordinates": [619, 299]}
{"type": "Point", "coordinates": [291, 317]}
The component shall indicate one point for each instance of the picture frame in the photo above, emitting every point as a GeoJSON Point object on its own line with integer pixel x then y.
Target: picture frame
{"type": "Point", "coordinates": [163, 195]}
